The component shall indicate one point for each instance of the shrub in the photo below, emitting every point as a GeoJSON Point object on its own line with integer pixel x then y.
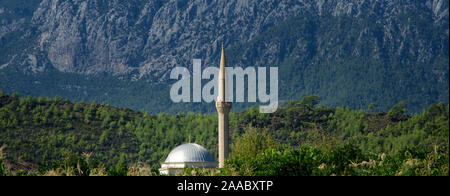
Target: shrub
{"type": "Point", "coordinates": [397, 110]}
{"type": "Point", "coordinates": [2, 168]}
{"type": "Point", "coordinates": [253, 142]}
{"type": "Point", "coordinates": [340, 159]}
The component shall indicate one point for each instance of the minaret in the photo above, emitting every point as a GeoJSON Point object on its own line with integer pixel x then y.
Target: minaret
{"type": "Point", "coordinates": [223, 109]}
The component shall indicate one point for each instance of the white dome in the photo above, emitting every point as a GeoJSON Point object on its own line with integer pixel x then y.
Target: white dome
{"type": "Point", "coordinates": [189, 152]}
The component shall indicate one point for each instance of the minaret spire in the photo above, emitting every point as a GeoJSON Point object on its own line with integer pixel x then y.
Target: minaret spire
{"type": "Point", "coordinates": [222, 76]}
{"type": "Point", "coordinates": [223, 109]}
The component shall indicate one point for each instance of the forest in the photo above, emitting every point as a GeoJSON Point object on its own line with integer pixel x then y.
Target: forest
{"type": "Point", "coordinates": [53, 136]}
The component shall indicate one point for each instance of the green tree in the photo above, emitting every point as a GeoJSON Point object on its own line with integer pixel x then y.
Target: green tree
{"type": "Point", "coordinates": [121, 168]}
{"type": "Point", "coordinates": [371, 106]}
{"type": "Point", "coordinates": [15, 96]}
{"type": "Point", "coordinates": [309, 102]}
{"type": "Point", "coordinates": [397, 110]}
{"type": "Point", "coordinates": [253, 142]}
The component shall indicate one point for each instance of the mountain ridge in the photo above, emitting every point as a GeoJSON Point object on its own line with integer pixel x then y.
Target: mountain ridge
{"type": "Point", "coordinates": [348, 52]}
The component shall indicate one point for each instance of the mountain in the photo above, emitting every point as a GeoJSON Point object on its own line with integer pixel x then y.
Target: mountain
{"type": "Point", "coordinates": [121, 52]}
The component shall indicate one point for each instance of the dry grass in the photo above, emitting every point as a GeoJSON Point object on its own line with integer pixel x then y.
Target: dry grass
{"type": "Point", "coordinates": [99, 171]}
{"type": "Point", "coordinates": [140, 169]}
{"type": "Point", "coordinates": [60, 172]}
{"type": "Point", "coordinates": [201, 172]}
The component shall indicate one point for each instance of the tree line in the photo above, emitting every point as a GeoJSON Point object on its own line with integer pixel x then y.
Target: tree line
{"type": "Point", "coordinates": [42, 134]}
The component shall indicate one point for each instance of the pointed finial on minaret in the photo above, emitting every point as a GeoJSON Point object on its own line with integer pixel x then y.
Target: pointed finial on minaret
{"type": "Point", "coordinates": [223, 47]}
{"type": "Point", "coordinates": [222, 75]}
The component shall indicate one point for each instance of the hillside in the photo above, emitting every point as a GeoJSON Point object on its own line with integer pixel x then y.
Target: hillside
{"type": "Point", "coordinates": [39, 133]}
{"type": "Point", "coordinates": [121, 52]}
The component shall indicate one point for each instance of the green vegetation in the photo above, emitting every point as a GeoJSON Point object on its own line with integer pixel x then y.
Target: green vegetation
{"type": "Point", "coordinates": [38, 131]}
{"type": "Point", "coordinates": [52, 136]}
{"type": "Point", "coordinates": [343, 160]}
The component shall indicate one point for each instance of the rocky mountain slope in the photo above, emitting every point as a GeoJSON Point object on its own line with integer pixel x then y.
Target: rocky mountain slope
{"type": "Point", "coordinates": [348, 52]}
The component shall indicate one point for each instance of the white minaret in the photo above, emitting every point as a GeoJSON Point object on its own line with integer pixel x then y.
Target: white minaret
{"type": "Point", "coordinates": [223, 109]}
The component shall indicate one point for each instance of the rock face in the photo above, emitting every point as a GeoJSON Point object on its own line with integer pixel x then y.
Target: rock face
{"type": "Point", "coordinates": [146, 38]}
{"type": "Point", "coordinates": [143, 40]}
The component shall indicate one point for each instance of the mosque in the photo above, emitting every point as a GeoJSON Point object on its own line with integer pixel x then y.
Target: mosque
{"type": "Point", "coordinates": [194, 155]}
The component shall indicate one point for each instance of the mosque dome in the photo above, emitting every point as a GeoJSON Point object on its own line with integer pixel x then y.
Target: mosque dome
{"type": "Point", "coordinates": [186, 156]}
{"type": "Point", "coordinates": [189, 152]}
